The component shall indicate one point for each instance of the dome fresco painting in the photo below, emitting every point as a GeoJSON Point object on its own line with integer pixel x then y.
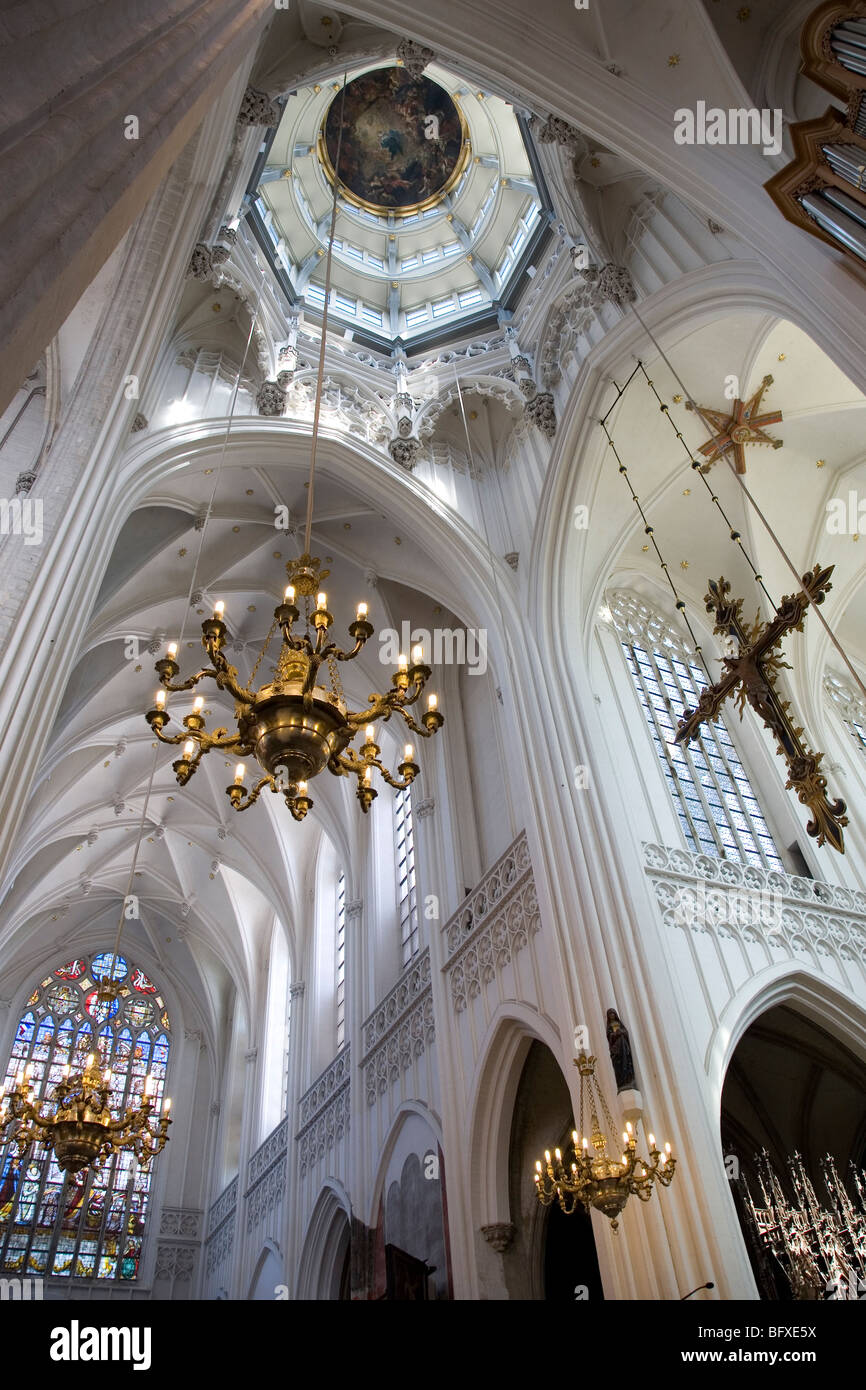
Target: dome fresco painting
{"type": "Point", "coordinates": [403, 142]}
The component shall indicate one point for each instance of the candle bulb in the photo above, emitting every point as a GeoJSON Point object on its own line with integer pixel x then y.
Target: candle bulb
{"type": "Point", "coordinates": [557, 1155]}
{"type": "Point", "coordinates": [652, 1141]}
{"type": "Point", "coordinates": [239, 775]}
{"type": "Point", "coordinates": [547, 1155]}
{"type": "Point", "coordinates": [106, 1075]}
{"type": "Point", "coordinates": [166, 1104]}
{"type": "Point", "coordinates": [65, 1070]}
{"type": "Point", "coordinates": [198, 704]}
{"type": "Point", "coordinates": [371, 733]}
{"type": "Point", "coordinates": [160, 699]}
{"type": "Point", "coordinates": [321, 601]}
{"type": "Point", "coordinates": [290, 594]}
{"type": "Point", "coordinates": [172, 650]}
{"type": "Point", "coordinates": [432, 701]}
{"type": "Point", "coordinates": [219, 609]}
{"type": "Point", "coordinates": [408, 751]}
{"type": "Point", "coordinates": [628, 1126]}
{"type": "Point", "coordinates": [188, 748]}
{"type": "Point", "coordinates": [362, 612]}
{"type": "Point", "coordinates": [402, 663]}
{"type": "Point", "coordinates": [667, 1148]}
{"type": "Point", "coordinates": [538, 1164]}
{"type": "Point", "coordinates": [302, 789]}
{"type": "Point", "coordinates": [417, 655]}
{"type": "Point", "coordinates": [148, 1085]}
{"type": "Point", "coordinates": [574, 1137]}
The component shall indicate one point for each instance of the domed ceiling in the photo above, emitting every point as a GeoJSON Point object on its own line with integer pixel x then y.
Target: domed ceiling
{"type": "Point", "coordinates": [439, 213]}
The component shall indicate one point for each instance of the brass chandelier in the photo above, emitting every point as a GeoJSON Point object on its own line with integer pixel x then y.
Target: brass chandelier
{"type": "Point", "coordinates": [593, 1178]}
{"type": "Point", "coordinates": [79, 1126]}
{"type": "Point", "coordinates": [295, 725]}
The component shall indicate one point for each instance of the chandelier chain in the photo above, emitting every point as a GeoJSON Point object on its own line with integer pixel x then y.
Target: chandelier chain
{"type": "Point", "coordinates": [321, 372]}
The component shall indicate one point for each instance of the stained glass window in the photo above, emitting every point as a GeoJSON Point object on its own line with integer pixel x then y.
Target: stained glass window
{"type": "Point", "coordinates": [89, 1224]}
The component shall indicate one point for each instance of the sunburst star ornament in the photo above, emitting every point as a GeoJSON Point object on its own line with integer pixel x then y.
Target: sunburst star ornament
{"type": "Point", "coordinates": [735, 428]}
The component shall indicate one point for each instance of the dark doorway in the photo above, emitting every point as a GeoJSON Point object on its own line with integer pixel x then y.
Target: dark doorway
{"type": "Point", "coordinates": [570, 1262]}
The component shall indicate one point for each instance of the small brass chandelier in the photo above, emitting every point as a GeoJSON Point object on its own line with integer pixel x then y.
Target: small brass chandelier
{"type": "Point", "coordinates": [592, 1178]}
{"type": "Point", "coordinates": [295, 725]}
{"type": "Point", "coordinates": [79, 1125]}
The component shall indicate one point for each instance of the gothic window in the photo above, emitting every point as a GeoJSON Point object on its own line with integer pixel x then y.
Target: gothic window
{"type": "Point", "coordinates": [850, 705]}
{"type": "Point", "coordinates": [713, 797]}
{"type": "Point", "coordinates": [341, 961]}
{"type": "Point", "coordinates": [87, 1224]}
{"type": "Point", "coordinates": [410, 935]}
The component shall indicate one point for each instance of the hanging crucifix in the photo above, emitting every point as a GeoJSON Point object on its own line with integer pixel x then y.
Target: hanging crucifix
{"type": "Point", "coordinates": [751, 676]}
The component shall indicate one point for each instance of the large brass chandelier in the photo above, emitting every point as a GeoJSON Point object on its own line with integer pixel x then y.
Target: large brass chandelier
{"type": "Point", "coordinates": [79, 1125]}
{"type": "Point", "coordinates": [592, 1178]}
{"type": "Point", "coordinates": [295, 725]}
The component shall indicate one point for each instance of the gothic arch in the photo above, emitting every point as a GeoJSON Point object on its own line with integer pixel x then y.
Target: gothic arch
{"type": "Point", "coordinates": [512, 1031]}
{"type": "Point", "coordinates": [324, 1244]}
{"type": "Point", "coordinates": [409, 1107]}
{"type": "Point", "coordinates": [802, 988]}
{"type": "Point", "coordinates": [268, 1273]}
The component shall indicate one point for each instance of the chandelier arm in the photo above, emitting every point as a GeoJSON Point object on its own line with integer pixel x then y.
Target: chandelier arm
{"type": "Point", "coordinates": [239, 804]}
{"type": "Point", "coordinates": [392, 781]}
{"type": "Point", "coordinates": [226, 681]}
{"type": "Point", "coordinates": [191, 683]}
{"type": "Point", "coordinates": [340, 655]}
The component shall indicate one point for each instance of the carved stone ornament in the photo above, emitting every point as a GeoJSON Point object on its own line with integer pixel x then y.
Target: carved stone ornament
{"type": "Point", "coordinates": [611, 282]}
{"type": "Point", "coordinates": [555, 131]}
{"type": "Point", "coordinates": [201, 263]}
{"type": "Point", "coordinates": [139, 423]}
{"type": "Point", "coordinates": [499, 1236]}
{"type": "Point", "coordinates": [24, 482]}
{"type": "Point", "coordinates": [270, 398]}
{"type": "Point", "coordinates": [257, 108]}
{"type": "Point", "coordinates": [512, 558]}
{"type": "Point", "coordinates": [414, 57]}
{"type": "Point", "coordinates": [540, 412]}
{"type": "Point", "coordinates": [404, 452]}
{"type": "Point", "coordinates": [404, 427]}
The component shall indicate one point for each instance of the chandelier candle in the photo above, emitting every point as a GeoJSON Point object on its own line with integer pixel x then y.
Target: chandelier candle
{"type": "Point", "coordinates": [298, 723]}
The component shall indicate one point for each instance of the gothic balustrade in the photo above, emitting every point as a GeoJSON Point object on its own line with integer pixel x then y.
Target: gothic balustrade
{"type": "Point", "coordinates": [783, 913]}
{"type": "Point", "coordinates": [324, 1112]}
{"type": "Point", "coordinates": [400, 1029]}
{"type": "Point", "coordinates": [496, 921]}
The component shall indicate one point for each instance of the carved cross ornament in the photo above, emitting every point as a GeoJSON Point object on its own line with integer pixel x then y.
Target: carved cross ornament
{"type": "Point", "coordinates": [733, 429]}
{"type": "Point", "coordinates": [751, 676]}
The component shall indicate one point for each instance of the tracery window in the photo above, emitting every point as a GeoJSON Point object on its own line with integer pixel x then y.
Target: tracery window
{"type": "Point", "coordinates": [850, 705]}
{"type": "Point", "coordinates": [410, 934]}
{"type": "Point", "coordinates": [88, 1224]}
{"type": "Point", "coordinates": [341, 961]}
{"type": "Point", "coordinates": [713, 797]}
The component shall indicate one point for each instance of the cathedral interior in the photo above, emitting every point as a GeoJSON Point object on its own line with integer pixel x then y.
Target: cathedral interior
{"type": "Point", "coordinates": [461, 340]}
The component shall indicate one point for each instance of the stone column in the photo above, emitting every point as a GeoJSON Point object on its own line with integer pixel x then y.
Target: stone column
{"type": "Point", "coordinates": [98, 106]}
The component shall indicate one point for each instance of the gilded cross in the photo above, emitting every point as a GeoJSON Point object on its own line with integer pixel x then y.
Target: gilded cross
{"type": "Point", "coordinates": [751, 676]}
{"type": "Point", "coordinates": [735, 428]}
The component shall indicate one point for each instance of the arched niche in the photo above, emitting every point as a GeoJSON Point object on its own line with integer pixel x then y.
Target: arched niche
{"type": "Point", "coordinates": [792, 1098]}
